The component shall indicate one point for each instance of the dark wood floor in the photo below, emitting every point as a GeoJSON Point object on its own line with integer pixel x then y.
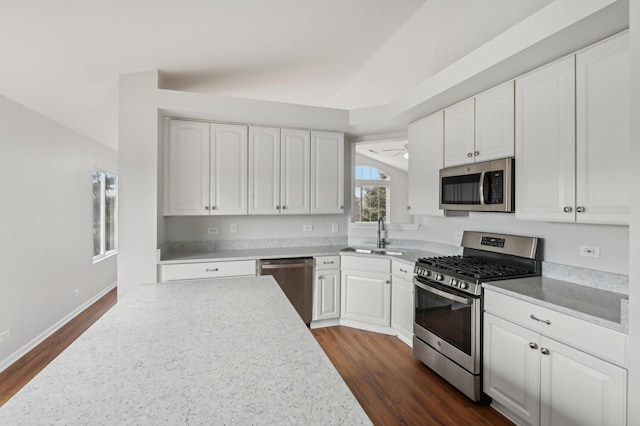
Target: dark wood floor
{"type": "Point", "coordinates": [393, 387]}
{"type": "Point", "coordinates": [19, 373]}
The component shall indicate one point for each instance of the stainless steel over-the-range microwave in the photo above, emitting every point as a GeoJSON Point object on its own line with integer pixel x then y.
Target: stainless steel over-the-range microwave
{"type": "Point", "coordinates": [487, 186]}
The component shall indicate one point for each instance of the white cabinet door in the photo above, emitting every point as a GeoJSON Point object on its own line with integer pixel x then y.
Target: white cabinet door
{"type": "Point", "coordinates": [579, 389]}
{"type": "Point", "coordinates": [511, 368]}
{"type": "Point", "coordinates": [602, 138]}
{"type": "Point", "coordinates": [495, 123]}
{"type": "Point", "coordinates": [459, 133]}
{"type": "Point", "coordinates": [545, 143]}
{"type": "Point", "coordinates": [326, 295]}
{"type": "Point", "coordinates": [228, 162]}
{"type": "Point", "coordinates": [295, 171]}
{"type": "Point", "coordinates": [402, 309]}
{"type": "Point", "coordinates": [366, 297]}
{"type": "Point", "coordinates": [264, 170]}
{"type": "Point", "coordinates": [425, 162]}
{"type": "Point", "coordinates": [188, 181]}
{"type": "Point", "coordinates": [327, 172]}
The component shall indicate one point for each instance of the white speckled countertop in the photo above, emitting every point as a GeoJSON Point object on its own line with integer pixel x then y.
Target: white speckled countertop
{"type": "Point", "coordinates": [226, 351]}
{"type": "Point", "coordinates": [595, 305]}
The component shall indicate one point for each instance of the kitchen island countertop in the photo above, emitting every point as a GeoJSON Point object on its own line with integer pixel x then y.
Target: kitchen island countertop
{"type": "Point", "coordinates": [226, 351]}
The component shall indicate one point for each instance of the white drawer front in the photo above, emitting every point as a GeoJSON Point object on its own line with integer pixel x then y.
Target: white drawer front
{"type": "Point", "coordinates": [185, 271]}
{"type": "Point", "coordinates": [600, 341]}
{"type": "Point", "coordinates": [368, 264]}
{"type": "Point", "coordinates": [327, 262]}
{"type": "Point", "coordinates": [402, 269]}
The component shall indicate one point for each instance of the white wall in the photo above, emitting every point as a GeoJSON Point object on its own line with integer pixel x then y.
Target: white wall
{"type": "Point", "coordinates": [399, 187]}
{"type": "Point", "coordinates": [46, 223]}
{"type": "Point", "coordinates": [634, 229]}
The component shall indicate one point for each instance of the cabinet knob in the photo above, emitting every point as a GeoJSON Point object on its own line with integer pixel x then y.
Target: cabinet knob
{"type": "Point", "coordinates": [408, 207]}
{"type": "Point", "coordinates": [277, 207]}
{"type": "Point", "coordinates": [213, 207]}
{"type": "Point", "coordinates": [469, 154]}
{"type": "Point", "coordinates": [568, 209]}
{"type": "Point", "coordinates": [580, 209]}
{"type": "Point", "coordinates": [387, 282]}
{"type": "Point", "coordinates": [206, 207]}
{"type": "Point", "coordinates": [544, 351]}
{"type": "Point", "coordinates": [321, 277]}
{"type": "Point", "coordinates": [284, 207]}
{"type": "Point", "coordinates": [341, 207]}
{"type": "Point", "coordinates": [476, 153]}
{"type": "Point", "coordinates": [532, 345]}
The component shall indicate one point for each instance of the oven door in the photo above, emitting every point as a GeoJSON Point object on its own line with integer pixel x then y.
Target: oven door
{"type": "Point", "coordinates": [449, 323]}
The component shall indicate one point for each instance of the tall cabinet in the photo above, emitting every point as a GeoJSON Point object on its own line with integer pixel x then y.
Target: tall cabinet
{"type": "Point", "coordinates": [327, 172]}
{"type": "Point", "coordinates": [207, 166]}
{"type": "Point", "coordinates": [572, 137]}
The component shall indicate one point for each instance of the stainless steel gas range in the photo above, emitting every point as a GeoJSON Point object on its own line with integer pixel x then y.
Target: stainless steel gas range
{"type": "Point", "coordinates": [448, 302]}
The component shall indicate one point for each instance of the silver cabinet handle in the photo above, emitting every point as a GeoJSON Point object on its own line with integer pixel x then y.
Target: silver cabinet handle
{"type": "Point", "coordinates": [580, 209]}
{"type": "Point", "coordinates": [403, 270]}
{"type": "Point", "coordinates": [328, 263]}
{"type": "Point", "coordinates": [469, 154]}
{"type": "Point", "coordinates": [476, 153]}
{"type": "Point", "coordinates": [544, 351]}
{"type": "Point", "coordinates": [568, 209]}
{"type": "Point", "coordinates": [535, 318]}
{"type": "Point", "coordinates": [212, 270]}
{"type": "Point", "coordinates": [532, 345]}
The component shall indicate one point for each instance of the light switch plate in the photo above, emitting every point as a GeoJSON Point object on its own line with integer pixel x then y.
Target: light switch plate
{"type": "Point", "coordinates": [234, 228]}
{"type": "Point", "coordinates": [212, 231]}
{"type": "Point", "coordinates": [307, 228]}
{"type": "Point", "coordinates": [334, 227]}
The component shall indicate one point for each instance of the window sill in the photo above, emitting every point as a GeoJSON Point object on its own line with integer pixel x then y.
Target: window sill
{"type": "Point", "coordinates": [102, 257]}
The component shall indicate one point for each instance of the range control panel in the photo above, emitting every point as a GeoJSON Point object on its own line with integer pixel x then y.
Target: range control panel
{"type": "Point", "coordinates": [492, 241]}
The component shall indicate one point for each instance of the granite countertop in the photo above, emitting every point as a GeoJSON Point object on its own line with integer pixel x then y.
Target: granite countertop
{"type": "Point", "coordinates": [408, 255]}
{"type": "Point", "coordinates": [226, 351]}
{"type": "Point", "coordinates": [595, 305]}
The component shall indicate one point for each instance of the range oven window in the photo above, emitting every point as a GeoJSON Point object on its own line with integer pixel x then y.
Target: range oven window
{"type": "Point", "coordinates": [447, 319]}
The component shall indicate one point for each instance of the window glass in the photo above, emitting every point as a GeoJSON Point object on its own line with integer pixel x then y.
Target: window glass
{"type": "Point", "coordinates": [104, 214]}
{"type": "Point", "coordinates": [371, 194]}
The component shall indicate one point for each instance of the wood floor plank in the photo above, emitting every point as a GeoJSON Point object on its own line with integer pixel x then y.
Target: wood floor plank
{"type": "Point", "coordinates": [18, 374]}
{"type": "Point", "coordinates": [393, 387]}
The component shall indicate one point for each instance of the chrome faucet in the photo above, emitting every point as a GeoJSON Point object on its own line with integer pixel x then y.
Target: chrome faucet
{"type": "Point", "coordinates": [381, 241]}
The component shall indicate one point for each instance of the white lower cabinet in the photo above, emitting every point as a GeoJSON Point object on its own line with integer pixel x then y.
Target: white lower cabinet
{"type": "Point", "coordinates": [326, 288]}
{"type": "Point", "coordinates": [402, 303]}
{"type": "Point", "coordinates": [366, 290]}
{"type": "Point", "coordinates": [192, 271]}
{"type": "Point", "coordinates": [536, 380]}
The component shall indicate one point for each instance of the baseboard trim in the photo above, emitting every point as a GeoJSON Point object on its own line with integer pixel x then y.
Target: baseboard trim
{"type": "Point", "coordinates": [7, 362]}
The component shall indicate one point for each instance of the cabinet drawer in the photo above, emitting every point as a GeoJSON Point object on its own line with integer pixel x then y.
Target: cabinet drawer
{"type": "Point", "coordinates": [185, 271]}
{"type": "Point", "coordinates": [327, 262]}
{"type": "Point", "coordinates": [402, 269]}
{"type": "Point", "coordinates": [368, 264]}
{"type": "Point", "coordinates": [600, 341]}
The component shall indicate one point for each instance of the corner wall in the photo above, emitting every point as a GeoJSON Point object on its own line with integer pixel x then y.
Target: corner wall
{"type": "Point", "coordinates": [46, 223]}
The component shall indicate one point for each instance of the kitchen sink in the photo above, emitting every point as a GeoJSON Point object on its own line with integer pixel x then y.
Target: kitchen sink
{"type": "Point", "coordinates": [381, 252]}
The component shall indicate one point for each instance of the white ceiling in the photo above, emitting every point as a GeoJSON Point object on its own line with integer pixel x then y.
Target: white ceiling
{"type": "Point", "coordinates": [63, 58]}
{"type": "Point", "coordinates": [388, 152]}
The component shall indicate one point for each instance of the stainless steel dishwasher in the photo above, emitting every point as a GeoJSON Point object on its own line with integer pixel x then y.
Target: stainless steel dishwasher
{"type": "Point", "coordinates": [295, 277]}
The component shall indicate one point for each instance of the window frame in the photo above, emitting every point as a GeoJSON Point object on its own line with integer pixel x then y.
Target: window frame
{"type": "Point", "coordinates": [103, 215]}
{"type": "Point", "coordinates": [359, 183]}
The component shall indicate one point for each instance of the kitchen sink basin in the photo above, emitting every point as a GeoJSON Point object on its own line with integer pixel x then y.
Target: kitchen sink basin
{"type": "Point", "coordinates": [381, 252]}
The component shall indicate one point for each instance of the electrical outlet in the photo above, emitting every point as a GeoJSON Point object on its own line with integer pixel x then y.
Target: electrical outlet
{"type": "Point", "coordinates": [458, 235]}
{"type": "Point", "coordinates": [76, 293]}
{"type": "Point", "coordinates": [233, 228]}
{"type": "Point", "coordinates": [212, 231]}
{"type": "Point", "coordinates": [589, 251]}
{"type": "Point", "coordinates": [334, 227]}
{"type": "Point", "coordinates": [5, 335]}
{"type": "Point", "coordinates": [307, 228]}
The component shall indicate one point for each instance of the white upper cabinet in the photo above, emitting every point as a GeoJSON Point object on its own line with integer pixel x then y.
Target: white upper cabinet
{"type": "Point", "coordinates": [480, 128]}
{"type": "Point", "coordinates": [572, 137]}
{"type": "Point", "coordinates": [228, 162]}
{"type": "Point", "coordinates": [602, 132]}
{"type": "Point", "coordinates": [495, 123]}
{"type": "Point", "coordinates": [295, 160]}
{"type": "Point", "coordinates": [264, 170]}
{"type": "Point", "coordinates": [327, 172]}
{"type": "Point", "coordinates": [425, 162]}
{"type": "Point", "coordinates": [545, 142]}
{"type": "Point", "coordinates": [459, 133]}
{"type": "Point", "coordinates": [187, 185]}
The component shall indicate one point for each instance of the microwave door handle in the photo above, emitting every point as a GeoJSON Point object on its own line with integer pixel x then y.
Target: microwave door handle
{"type": "Point", "coordinates": [481, 189]}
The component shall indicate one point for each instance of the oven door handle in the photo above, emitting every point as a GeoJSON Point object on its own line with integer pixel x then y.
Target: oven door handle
{"type": "Point", "coordinates": [444, 294]}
